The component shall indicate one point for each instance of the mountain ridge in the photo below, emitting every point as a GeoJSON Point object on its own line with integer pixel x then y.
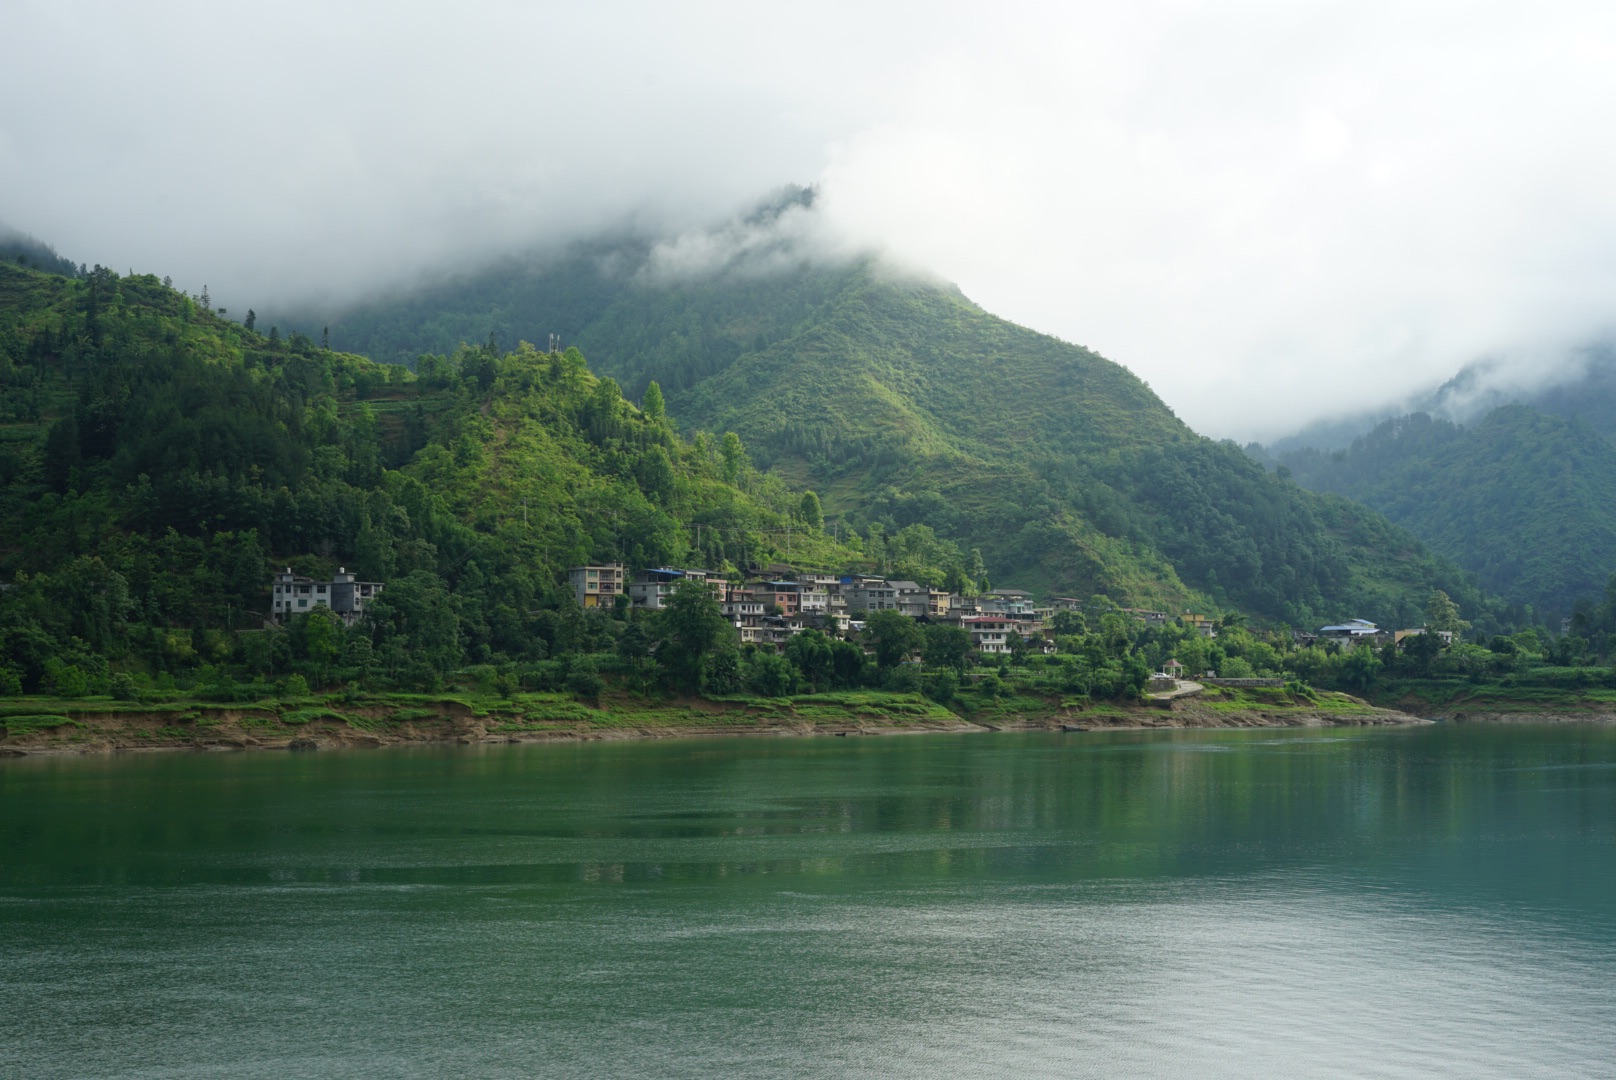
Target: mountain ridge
{"type": "Point", "coordinates": [902, 402]}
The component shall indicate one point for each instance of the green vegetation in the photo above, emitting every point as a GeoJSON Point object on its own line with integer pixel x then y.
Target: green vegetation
{"type": "Point", "coordinates": [904, 405]}
{"type": "Point", "coordinates": [157, 460]}
{"type": "Point", "coordinates": [1521, 498]}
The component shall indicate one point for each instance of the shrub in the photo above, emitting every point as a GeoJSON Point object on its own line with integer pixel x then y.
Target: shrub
{"type": "Point", "coordinates": [295, 686]}
{"type": "Point", "coordinates": [770, 675]}
{"type": "Point", "coordinates": [903, 679]}
{"type": "Point", "coordinates": [66, 680]}
{"type": "Point", "coordinates": [941, 687]}
{"type": "Point", "coordinates": [123, 687]}
{"type": "Point", "coordinates": [584, 682]}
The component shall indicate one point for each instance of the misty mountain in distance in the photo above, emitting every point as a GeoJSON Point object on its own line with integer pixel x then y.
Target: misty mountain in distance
{"type": "Point", "coordinates": [1583, 386]}
{"type": "Point", "coordinates": [20, 249]}
{"type": "Point", "coordinates": [901, 402]}
{"type": "Point", "coordinates": [1520, 497]}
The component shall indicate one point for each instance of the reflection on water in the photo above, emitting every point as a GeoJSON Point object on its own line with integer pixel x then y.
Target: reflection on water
{"type": "Point", "coordinates": [1430, 902]}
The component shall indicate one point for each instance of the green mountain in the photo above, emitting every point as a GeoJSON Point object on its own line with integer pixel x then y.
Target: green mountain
{"type": "Point", "coordinates": [901, 402]}
{"type": "Point", "coordinates": [1522, 497]}
{"type": "Point", "coordinates": [156, 460]}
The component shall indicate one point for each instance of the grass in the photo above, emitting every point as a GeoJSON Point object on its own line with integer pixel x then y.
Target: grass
{"type": "Point", "coordinates": [27, 724]}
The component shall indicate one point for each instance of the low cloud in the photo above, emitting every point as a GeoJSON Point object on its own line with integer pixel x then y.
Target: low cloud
{"type": "Point", "coordinates": [1272, 212]}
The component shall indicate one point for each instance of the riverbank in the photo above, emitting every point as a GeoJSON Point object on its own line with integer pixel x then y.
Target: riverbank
{"type": "Point", "coordinates": [54, 726]}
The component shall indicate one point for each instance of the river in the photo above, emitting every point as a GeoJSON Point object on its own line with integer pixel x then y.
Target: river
{"type": "Point", "coordinates": [1418, 902]}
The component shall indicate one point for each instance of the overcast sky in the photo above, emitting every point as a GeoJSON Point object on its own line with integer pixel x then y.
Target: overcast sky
{"type": "Point", "coordinates": [1271, 212]}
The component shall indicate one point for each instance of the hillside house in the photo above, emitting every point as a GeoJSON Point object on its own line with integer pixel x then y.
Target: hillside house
{"type": "Point", "coordinates": [599, 585]}
{"type": "Point", "coordinates": [651, 588]}
{"type": "Point", "coordinates": [1399, 637]}
{"type": "Point", "coordinates": [920, 602]}
{"type": "Point", "coordinates": [989, 633]}
{"type": "Point", "coordinates": [1352, 633]}
{"type": "Point", "coordinates": [744, 610]}
{"type": "Point", "coordinates": [865, 595]}
{"type": "Point", "coordinates": [785, 595]}
{"type": "Point", "coordinates": [291, 594]}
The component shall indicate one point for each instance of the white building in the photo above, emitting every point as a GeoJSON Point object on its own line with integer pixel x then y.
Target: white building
{"type": "Point", "coordinates": [291, 594]}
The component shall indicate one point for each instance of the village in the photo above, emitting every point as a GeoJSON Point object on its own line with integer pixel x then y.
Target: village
{"type": "Point", "coordinates": [769, 610]}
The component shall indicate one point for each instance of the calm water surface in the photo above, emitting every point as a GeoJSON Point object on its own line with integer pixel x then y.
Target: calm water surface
{"type": "Point", "coordinates": [1414, 903]}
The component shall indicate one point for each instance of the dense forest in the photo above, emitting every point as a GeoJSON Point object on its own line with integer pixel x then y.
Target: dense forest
{"type": "Point", "coordinates": [159, 458]}
{"type": "Point", "coordinates": [1521, 497]}
{"type": "Point", "coordinates": [902, 403]}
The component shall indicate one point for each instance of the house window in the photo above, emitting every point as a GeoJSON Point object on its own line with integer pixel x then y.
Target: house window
{"type": "Point", "coordinates": [302, 603]}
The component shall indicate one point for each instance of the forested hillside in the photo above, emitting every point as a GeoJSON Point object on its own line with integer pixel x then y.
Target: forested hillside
{"type": "Point", "coordinates": [1521, 497]}
{"type": "Point", "coordinates": [902, 402]}
{"type": "Point", "coordinates": [156, 460]}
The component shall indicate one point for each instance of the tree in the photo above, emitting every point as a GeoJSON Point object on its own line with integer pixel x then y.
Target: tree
{"type": "Point", "coordinates": [1441, 613]}
{"type": "Point", "coordinates": [1420, 650]}
{"type": "Point", "coordinates": [655, 474]}
{"type": "Point", "coordinates": [893, 636]}
{"type": "Point", "coordinates": [61, 453]}
{"type": "Point", "coordinates": [810, 653]}
{"type": "Point", "coordinates": [654, 407]}
{"type": "Point", "coordinates": [809, 510]}
{"type": "Point", "coordinates": [979, 571]}
{"type": "Point", "coordinates": [734, 455]}
{"type": "Point", "coordinates": [771, 675]}
{"type": "Point", "coordinates": [252, 319]}
{"type": "Point", "coordinates": [946, 647]}
{"type": "Point", "coordinates": [847, 665]}
{"type": "Point", "coordinates": [1360, 667]}
{"type": "Point", "coordinates": [690, 628]}
{"type": "Point", "coordinates": [321, 634]}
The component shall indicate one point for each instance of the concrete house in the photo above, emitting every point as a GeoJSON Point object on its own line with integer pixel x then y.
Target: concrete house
{"type": "Point", "coordinates": [918, 601]}
{"type": "Point", "coordinates": [990, 633]}
{"type": "Point", "coordinates": [652, 588]}
{"type": "Point", "coordinates": [868, 595]}
{"type": "Point", "coordinates": [291, 594]}
{"type": "Point", "coordinates": [1352, 633]}
{"type": "Point", "coordinates": [599, 585]}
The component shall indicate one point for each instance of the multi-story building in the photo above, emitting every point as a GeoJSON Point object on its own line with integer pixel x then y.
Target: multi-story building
{"type": "Point", "coordinates": [865, 595]}
{"type": "Point", "coordinates": [597, 586]}
{"type": "Point", "coordinates": [744, 610]}
{"type": "Point", "coordinates": [1208, 627]}
{"type": "Point", "coordinates": [651, 588]}
{"type": "Point", "coordinates": [919, 602]}
{"type": "Point", "coordinates": [1015, 603]}
{"type": "Point", "coordinates": [292, 594]}
{"type": "Point", "coordinates": [785, 595]}
{"type": "Point", "coordinates": [775, 630]}
{"type": "Point", "coordinates": [989, 633]}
